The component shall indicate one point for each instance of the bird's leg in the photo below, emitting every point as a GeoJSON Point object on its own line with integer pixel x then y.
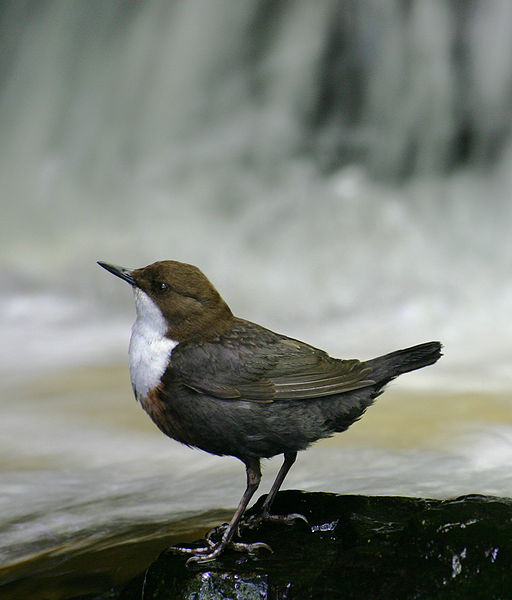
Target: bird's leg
{"type": "Point", "coordinates": [264, 515]}
{"type": "Point", "coordinates": [213, 550]}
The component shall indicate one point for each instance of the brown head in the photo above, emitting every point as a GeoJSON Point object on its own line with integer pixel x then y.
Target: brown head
{"type": "Point", "coordinates": [189, 303]}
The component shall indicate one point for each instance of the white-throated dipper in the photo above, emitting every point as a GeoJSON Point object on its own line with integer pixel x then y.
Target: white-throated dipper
{"type": "Point", "coordinates": [225, 385]}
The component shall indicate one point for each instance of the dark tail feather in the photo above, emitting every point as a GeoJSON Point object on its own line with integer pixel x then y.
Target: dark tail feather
{"type": "Point", "coordinates": [387, 367]}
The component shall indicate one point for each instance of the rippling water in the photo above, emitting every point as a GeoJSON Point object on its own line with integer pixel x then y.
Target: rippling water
{"type": "Point", "coordinates": [82, 466]}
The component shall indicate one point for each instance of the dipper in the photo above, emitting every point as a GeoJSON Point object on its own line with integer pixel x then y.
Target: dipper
{"type": "Point", "coordinates": [225, 385]}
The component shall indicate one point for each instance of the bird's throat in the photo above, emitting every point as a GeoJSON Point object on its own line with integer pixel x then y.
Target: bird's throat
{"type": "Point", "coordinates": [150, 349]}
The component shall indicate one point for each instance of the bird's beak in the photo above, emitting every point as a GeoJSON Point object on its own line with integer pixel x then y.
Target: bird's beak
{"type": "Point", "coordinates": [121, 272]}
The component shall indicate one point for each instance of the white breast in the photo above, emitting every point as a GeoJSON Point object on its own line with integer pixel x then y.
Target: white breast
{"type": "Point", "coordinates": [150, 350]}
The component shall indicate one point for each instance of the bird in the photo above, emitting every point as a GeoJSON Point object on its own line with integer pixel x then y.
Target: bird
{"type": "Point", "coordinates": [231, 387]}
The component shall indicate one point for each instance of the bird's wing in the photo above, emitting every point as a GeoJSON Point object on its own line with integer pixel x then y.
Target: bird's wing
{"type": "Point", "coordinates": [270, 369]}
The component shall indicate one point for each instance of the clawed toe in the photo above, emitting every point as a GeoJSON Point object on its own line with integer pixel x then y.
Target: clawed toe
{"type": "Point", "coordinates": [250, 548]}
{"type": "Point", "coordinates": [287, 519]}
{"type": "Point", "coordinates": [216, 532]}
{"type": "Point", "coordinates": [191, 551]}
{"type": "Point", "coordinates": [202, 557]}
{"type": "Point", "coordinates": [256, 520]}
{"type": "Point", "coordinates": [205, 554]}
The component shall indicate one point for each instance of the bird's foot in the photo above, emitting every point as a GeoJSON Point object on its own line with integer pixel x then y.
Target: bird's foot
{"type": "Point", "coordinates": [265, 517]}
{"type": "Point", "coordinates": [214, 550]}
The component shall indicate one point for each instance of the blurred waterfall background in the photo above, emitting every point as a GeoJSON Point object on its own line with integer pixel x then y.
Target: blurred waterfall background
{"type": "Point", "coordinates": [351, 158]}
{"type": "Point", "coordinates": [340, 170]}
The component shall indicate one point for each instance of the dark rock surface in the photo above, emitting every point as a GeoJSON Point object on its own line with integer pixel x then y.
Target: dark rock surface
{"type": "Point", "coordinates": [357, 547]}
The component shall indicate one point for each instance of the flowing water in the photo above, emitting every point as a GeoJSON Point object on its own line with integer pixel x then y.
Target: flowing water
{"type": "Point", "coordinates": [340, 172]}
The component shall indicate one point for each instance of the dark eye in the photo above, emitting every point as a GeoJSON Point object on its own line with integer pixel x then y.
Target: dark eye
{"type": "Point", "coordinates": [163, 287]}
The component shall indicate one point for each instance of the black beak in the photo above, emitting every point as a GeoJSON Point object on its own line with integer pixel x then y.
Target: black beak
{"type": "Point", "coordinates": [121, 272]}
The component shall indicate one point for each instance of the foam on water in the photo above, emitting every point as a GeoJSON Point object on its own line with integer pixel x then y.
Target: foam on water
{"type": "Point", "coordinates": [352, 275]}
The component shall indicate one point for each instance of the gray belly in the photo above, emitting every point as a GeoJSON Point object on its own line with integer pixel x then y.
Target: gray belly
{"type": "Point", "coordinates": [247, 429]}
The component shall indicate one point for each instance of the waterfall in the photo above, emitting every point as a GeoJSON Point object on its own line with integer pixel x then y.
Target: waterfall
{"type": "Point", "coordinates": [362, 148]}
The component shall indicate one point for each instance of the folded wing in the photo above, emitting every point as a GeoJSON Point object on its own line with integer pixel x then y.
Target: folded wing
{"type": "Point", "coordinates": [271, 369]}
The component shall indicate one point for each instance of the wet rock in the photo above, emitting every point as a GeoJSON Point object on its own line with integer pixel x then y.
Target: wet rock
{"type": "Point", "coordinates": [356, 547]}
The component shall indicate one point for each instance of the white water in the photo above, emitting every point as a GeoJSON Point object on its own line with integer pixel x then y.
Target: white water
{"type": "Point", "coordinates": [195, 131]}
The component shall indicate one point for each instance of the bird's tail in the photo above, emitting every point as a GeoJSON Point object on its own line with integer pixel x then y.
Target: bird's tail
{"type": "Point", "coordinates": [387, 367]}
